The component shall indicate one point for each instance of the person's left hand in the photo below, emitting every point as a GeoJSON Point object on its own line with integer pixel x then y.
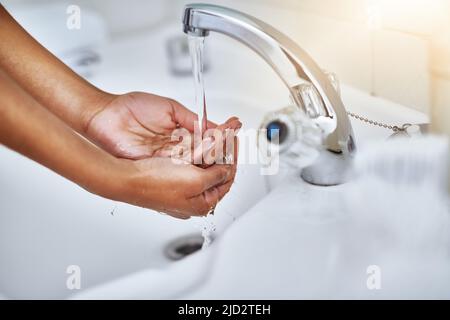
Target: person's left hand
{"type": "Point", "coordinates": [139, 125]}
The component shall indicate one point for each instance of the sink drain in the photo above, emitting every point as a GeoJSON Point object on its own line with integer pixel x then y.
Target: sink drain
{"type": "Point", "coordinates": [183, 247]}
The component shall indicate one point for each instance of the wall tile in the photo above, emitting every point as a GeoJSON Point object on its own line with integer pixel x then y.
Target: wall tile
{"type": "Point", "coordinates": [401, 69]}
{"type": "Point", "coordinates": [122, 17]}
{"type": "Point", "coordinates": [441, 105]}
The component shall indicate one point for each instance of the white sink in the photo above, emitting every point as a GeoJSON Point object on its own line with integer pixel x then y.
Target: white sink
{"type": "Point", "coordinates": [48, 223]}
{"type": "Point", "coordinates": [309, 242]}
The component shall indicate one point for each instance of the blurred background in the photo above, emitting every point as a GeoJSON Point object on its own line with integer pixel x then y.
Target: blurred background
{"type": "Point", "coordinates": [396, 49]}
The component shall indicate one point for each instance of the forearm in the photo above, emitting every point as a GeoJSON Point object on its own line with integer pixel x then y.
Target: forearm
{"type": "Point", "coordinates": [31, 130]}
{"type": "Point", "coordinates": [45, 77]}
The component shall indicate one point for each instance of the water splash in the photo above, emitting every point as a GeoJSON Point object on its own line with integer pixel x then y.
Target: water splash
{"type": "Point", "coordinates": [208, 227]}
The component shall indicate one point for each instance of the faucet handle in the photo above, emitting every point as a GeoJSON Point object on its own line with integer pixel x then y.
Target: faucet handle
{"type": "Point", "coordinates": [311, 100]}
{"type": "Point", "coordinates": [310, 97]}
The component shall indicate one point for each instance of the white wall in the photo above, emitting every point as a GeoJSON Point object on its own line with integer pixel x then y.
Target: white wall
{"type": "Point", "coordinates": [367, 43]}
{"type": "Point", "coordinates": [123, 16]}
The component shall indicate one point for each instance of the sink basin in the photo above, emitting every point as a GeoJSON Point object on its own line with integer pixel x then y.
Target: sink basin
{"type": "Point", "coordinates": [48, 223]}
{"type": "Point", "coordinates": [309, 242]}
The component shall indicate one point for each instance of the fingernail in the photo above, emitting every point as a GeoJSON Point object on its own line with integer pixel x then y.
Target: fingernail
{"type": "Point", "coordinates": [229, 173]}
{"type": "Point", "coordinates": [231, 133]}
{"type": "Point", "coordinates": [238, 128]}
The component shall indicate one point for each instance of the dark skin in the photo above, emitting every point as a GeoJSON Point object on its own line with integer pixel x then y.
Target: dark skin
{"type": "Point", "coordinates": [116, 146]}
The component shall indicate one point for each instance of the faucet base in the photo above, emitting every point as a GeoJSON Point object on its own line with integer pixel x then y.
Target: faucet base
{"type": "Point", "coordinates": [329, 169]}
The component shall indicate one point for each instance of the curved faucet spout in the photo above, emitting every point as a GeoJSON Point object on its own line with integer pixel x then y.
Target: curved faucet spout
{"type": "Point", "coordinates": [297, 70]}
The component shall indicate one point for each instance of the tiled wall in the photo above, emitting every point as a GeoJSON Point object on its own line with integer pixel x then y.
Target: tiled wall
{"type": "Point", "coordinates": [122, 16]}
{"type": "Point", "coordinates": [395, 49]}
{"type": "Point", "coordinates": [423, 28]}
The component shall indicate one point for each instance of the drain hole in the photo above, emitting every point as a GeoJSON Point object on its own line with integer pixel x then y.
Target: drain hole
{"type": "Point", "coordinates": [188, 248]}
{"type": "Point", "coordinates": [183, 247]}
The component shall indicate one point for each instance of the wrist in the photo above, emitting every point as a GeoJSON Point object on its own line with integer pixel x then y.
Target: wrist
{"type": "Point", "coordinates": [116, 179]}
{"type": "Point", "coordinates": [129, 182]}
{"type": "Point", "coordinates": [95, 103]}
{"type": "Point", "coordinates": [107, 178]}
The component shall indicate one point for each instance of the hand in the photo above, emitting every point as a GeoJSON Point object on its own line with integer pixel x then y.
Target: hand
{"type": "Point", "coordinates": [181, 190]}
{"type": "Point", "coordinates": [139, 125]}
{"type": "Point", "coordinates": [41, 96]}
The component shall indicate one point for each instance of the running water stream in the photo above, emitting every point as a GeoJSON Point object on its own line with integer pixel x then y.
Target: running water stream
{"type": "Point", "coordinates": [196, 49]}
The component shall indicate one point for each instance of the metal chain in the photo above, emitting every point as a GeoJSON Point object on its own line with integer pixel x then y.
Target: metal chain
{"type": "Point", "coordinates": [375, 123]}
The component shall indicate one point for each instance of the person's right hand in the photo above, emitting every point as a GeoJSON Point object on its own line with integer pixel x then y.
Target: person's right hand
{"type": "Point", "coordinates": [180, 189]}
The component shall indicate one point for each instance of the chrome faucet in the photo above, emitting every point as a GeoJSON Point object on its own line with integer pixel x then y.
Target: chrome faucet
{"type": "Point", "coordinates": [309, 86]}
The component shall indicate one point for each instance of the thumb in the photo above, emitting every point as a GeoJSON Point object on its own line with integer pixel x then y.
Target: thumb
{"type": "Point", "coordinates": [215, 175]}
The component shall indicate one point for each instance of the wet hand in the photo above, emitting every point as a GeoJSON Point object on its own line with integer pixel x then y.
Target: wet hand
{"type": "Point", "coordinates": [181, 190]}
{"type": "Point", "coordinates": [139, 125]}
{"type": "Point", "coordinates": [138, 128]}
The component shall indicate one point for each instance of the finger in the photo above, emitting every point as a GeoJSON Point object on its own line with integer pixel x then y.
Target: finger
{"type": "Point", "coordinates": [230, 148]}
{"type": "Point", "coordinates": [175, 150]}
{"type": "Point", "coordinates": [224, 189]}
{"type": "Point", "coordinates": [185, 117]}
{"type": "Point", "coordinates": [223, 136]}
{"type": "Point", "coordinates": [211, 125]}
{"type": "Point", "coordinates": [212, 197]}
{"type": "Point", "coordinates": [202, 204]}
{"type": "Point", "coordinates": [215, 176]}
{"type": "Point", "coordinates": [205, 203]}
{"type": "Point", "coordinates": [229, 129]}
{"type": "Point", "coordinates": [236, 150]}
{"type": "Point", "coordinates": [202, 150]}
{"type": "Point", "coordinates": [231, 123]}
{"type": "Point", "coordinates": [178, 215]}
{"type": "Point", "coordinates": [222, 177]}
{"type": "Point", "coordinates": [216, 193]}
